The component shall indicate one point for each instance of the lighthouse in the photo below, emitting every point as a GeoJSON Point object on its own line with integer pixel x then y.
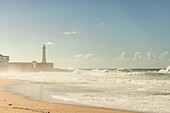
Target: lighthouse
{"type": "Point", "coordinates": [44, 54]}
{"type": "Point", "coordinates": [33, 66]}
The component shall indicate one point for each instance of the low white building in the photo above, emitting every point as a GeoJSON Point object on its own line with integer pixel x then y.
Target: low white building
{"type": "Point", "coordinates": [4, 60]}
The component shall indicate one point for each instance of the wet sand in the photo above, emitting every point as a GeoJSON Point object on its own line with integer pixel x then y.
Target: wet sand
{"type": "Point", "coordinates": [12, 103]}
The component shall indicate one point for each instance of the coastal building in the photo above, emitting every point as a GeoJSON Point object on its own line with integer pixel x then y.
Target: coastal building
{"type": "Point", "coordinates": [3, 60]}
{"type": "Point", "coordinates": [27, 66]}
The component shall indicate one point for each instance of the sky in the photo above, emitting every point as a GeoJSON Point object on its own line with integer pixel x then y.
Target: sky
{"type": "Point", "coordinates": [87, 33]}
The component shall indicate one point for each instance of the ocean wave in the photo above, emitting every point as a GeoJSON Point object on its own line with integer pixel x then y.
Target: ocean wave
{"type": "Point", "coordinates": [142, 88]}
{"type": "Point", "coordinates": [121, 72]}
{"type": "Point", "coordinates": [124, 70]}
{"type": "Point", "coordinates": [167, 70]}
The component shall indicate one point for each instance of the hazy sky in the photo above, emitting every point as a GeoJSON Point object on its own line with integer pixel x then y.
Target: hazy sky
{"type": "Point", "coordinates": [87, 33]}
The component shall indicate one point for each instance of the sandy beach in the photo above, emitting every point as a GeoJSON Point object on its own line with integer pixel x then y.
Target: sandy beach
{"type": "Point", "coordinates": [12, 103]}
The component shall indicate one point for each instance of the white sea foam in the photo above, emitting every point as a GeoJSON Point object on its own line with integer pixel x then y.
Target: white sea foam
{"type": "Point", "coordinates": [145, 91]}
{"type": "Point", "coordinates": [167, 70]}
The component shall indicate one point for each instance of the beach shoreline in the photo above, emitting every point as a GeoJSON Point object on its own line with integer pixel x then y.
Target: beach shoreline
{"type": "Point", "coordinates": [11, 102]}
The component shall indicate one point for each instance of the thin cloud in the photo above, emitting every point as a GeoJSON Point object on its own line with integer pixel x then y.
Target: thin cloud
{"type": "Point", "coordinates": [163, 55]}
{"type": "Point", "coordinates": [138, 56]}
{"type": "Point", "coordinates": [123, 55]}
{"type": "Point", "coordinates": [70, 33]}
{"type": "Point", "coordinates": [102, 24]}
{"type": "Point", "coordinates": [149, 55]}
{"type": "Point", "coordinates": [49, 43]}
{"type": "Point", "coordinates": [83, 56]}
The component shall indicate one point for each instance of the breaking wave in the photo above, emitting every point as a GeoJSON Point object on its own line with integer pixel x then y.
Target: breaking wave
{"type": "Point", "coordinates": [123, 88]}
{"type": "Point", "coordinates": [124, 70]}
{"type": "Point", "coordinates": [167, 70]}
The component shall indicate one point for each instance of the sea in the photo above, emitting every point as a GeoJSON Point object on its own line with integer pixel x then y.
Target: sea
{"type": "Point", "coordinates": [142, 90]}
